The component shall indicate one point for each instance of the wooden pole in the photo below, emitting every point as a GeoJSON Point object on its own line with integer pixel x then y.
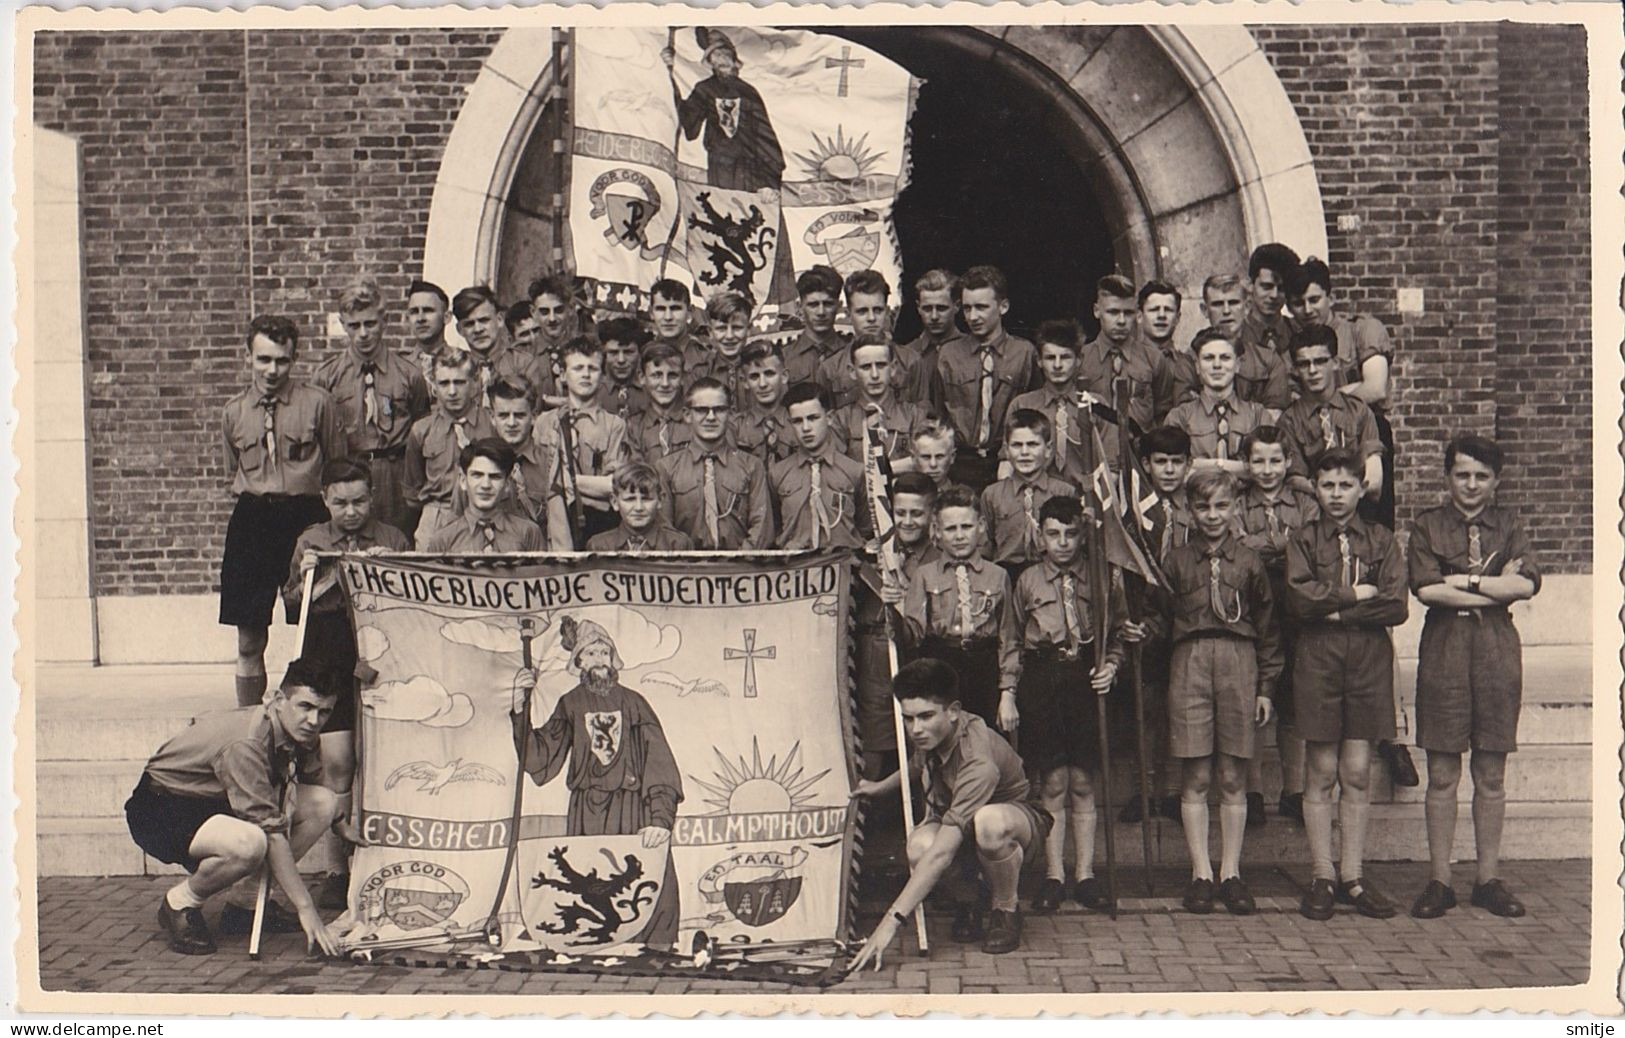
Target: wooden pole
{"type": "Point", "coordinates": [1100, 600]}
{"type": "Point", "coordinates": [264, 893]}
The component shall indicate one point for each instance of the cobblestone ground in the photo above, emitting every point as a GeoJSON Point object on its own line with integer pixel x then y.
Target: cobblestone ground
{"type": "Point", "coordinates": [100, 935]}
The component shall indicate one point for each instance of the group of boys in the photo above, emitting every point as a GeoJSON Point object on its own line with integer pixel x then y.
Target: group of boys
{"type": "Point", "coordinates": [1267, 482]}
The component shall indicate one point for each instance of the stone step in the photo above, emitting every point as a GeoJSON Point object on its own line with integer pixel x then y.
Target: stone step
{"type": "Point", "coordinates": [102, 847]}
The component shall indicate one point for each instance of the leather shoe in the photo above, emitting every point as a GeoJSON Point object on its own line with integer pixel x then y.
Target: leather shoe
{"type": "Point", "coordinates": [1090, 892]}
{"type": "Point", "coordinates": [1434, 901]}
{"type": "Point", "coordinates": [1255, 811]}
{"type": "Point", "coordinates": [1199, 897]}
{"type": "Point", "coordinates": [188, 933]}
{"type": "Point", "coordinates": [1401, 770]}
{"type": "Point", "coordinates": [967, 928]}
{"type": "Point", "coordinates": [1320, 902]}
{"type": "Point", "coordinates": [1049, 897]}
{"type": "Point", "coordinates": [1003, 932]}
{"type": "Point", "coordinates": [1366, 899]}
{"type": "Point", "coordinates": [237, 921]}
{"type": "Point", "coordinates": [1495, 898]}
{"type": "Point", "coordinates": [1291, 806]}
{"type": "Point", "coordinates": [1236, 898]}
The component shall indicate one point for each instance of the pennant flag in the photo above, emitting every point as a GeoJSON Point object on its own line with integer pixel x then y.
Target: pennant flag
{"type": "Point", "coordinates": [1124, 549]}
{"type": "Point", "coordinates": [756, 153]}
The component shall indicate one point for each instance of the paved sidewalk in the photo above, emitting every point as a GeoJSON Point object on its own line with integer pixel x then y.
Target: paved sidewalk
{"type": "Point", "coordinates": [100, 935]}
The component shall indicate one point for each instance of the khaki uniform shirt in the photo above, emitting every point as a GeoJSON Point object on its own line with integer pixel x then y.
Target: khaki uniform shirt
{"type": "Point", "coordinates": [1202, 419]}
{"type": "Point", "coordinates": [467, 534]}
{"type": "Point", "coordinates": [1018, 536]}
{"type": "Point", "coordinates": [243, 756]}
{"type": "Point", "coordinates": [1239, 602]}
{"type": "Point", "coordinates": [744, 516]}
{"type": "Point", "coordinates": [432, 449]}
{"type": "Point", "coordinates": [1039, 621]}
{"type": "Point", "coordinates": [399, 395]}
{"type": "Point", "coordinates": [957, 391]}
{"type": "Point", "coordinates": [844, 519]}
{"type": "Point", "coordinates": [304, 422]}
{"type": "Point", "coordinates": [1318, 584]}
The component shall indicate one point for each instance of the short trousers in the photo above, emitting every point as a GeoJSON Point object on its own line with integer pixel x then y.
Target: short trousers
{"type": "Point", "coordinates": [1060, 724]}
{"type": "Point", "coordinates": [1343, 683]}
{"type": "Point", "coordinates": [260, 539]}
{"type": "Point", "coordinates": [164, 824]}
{"type": "Point", "coordinates": [1469, 682]}
{"type": "Point", "coordinates": [1212, 697]}
{"type": "Point", "coordinates": [977, 667]}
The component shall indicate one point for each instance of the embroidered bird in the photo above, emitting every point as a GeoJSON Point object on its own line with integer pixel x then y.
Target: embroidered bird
{"type": "Point", "coordinates": [435, 777]}
{"type": "Point", "coordinates": [704, 686]}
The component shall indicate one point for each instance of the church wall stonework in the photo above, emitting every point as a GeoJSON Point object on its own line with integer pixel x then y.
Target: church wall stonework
{"type": "Point", "coordinates": [227, 173]}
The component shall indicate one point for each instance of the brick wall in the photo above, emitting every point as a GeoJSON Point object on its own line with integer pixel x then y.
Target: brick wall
{"type": "Point", "coordinates": [1543, 254]}
{"type": "Point", "coordinates": [1455, 147]}
{"type": "Point", "coordinates": [1438, 138]}
{"type": "Point", "coordinates": [326, 144]}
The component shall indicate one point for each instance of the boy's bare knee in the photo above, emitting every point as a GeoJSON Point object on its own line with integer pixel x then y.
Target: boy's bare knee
{"type": "Point", "coordinates": [992, 829]}
{"type": "Point", "coordinates": [245, 846]}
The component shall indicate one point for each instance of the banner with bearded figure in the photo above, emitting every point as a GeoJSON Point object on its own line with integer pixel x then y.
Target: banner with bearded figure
{"type": "Point", "coordinates": [684, 765]}
{"type": "Point", "coordinates": [772, 150]}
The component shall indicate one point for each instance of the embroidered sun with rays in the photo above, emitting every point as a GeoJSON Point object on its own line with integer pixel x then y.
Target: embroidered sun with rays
{"type": "Point", "coordinates": [838, 158]}
{"type": "Point", "coordinates": [752, 787]}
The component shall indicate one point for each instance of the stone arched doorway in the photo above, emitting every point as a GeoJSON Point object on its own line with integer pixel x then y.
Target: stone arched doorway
{"type": "Point", "coordinates": [1174, 150]}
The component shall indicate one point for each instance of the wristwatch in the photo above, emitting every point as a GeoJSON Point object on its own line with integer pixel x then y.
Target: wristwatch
{"type": "Point", "coordinates": [1473, 582]}
{"type": "Point", "coordinates": [900, 917]}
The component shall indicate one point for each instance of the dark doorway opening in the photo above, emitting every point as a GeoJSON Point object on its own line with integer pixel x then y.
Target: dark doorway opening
{"type": "Point", "coordinates": [992, 183]}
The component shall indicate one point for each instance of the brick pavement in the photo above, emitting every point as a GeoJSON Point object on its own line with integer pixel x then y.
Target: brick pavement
{"type": "Point", "coordinates": [100, 935]}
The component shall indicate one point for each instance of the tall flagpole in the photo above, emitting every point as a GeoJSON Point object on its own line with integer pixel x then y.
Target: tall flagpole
{"type": "Point", "coordinates": [1100, 600]}
{"type": "Point", "coordinates": [1136, 684]}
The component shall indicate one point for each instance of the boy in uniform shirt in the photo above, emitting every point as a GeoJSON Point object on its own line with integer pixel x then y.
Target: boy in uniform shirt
{"type": "Point", "coordinates": [1057, 399]}
{"type": "Point", "coordinates": [639, 501]}
{"type": "Point", "coordinates": [1116, 367]}
{"type": "Point", "coordinates": [718, 493]}
{"type": "Point", "coordinates": [761, 425]}
{"type": "Point", "coordinates": [1365, 357]}
{"type": "Point", "coordinates": [1323, 417]}
{"type": "Point", "coordinates": [379, 395]}
{"type": "Point", "coordinates": [329, 634]}
{"type": "Point", "coordinates": [598, 437]}
{"type": "Point", "coordinates": [620, 394]}
{"type": "Point", "coordinates": [426, 308]}
{"type": "Point", "coordinates": [479, 322]}
{"type": "Point", "coordinates": [557, 322]}
{"type": "Point", "coordinates": [976, 797]}
{"type": "Point", "coordinates": [487, 526]}
{"type": "Point", "coordinates": [819, 291]}
{"type": "Point", "coordinates": [669, 315]}
{"type": "Point", "coordinates": [936, 300]}
{"type": "Point", "coordinates": [932, 451]}
{"type": "Point", "coordinates": [1261, 374]}
{"type": "Point", "coordinates": [1175, 379]}
{"type": "Point", "coordinates": [278, 434]}
{"type": "Point", "coordinates": [237, 792]}
{"type": "Point", "coordinates": [1050, 671]}
{"type": "Point", "coordinates": [1268, 513]}
{"type": "Point", "coordinates": [1217, 419]}
{"type": "Point", "coordinates": [1166, 454]}
{"type": "Point", "coordinates": [437, 439]}
{"type": "Point", "coordinates": [820, 491]}
{"type": "Point", "coordinates": [1219, 615]}
{"type": "Point", "coordinates": [1011, 505]}
{"type": "Point", "coordinates": [522, 328]}
{"type": "Point", "coordinates": [727, 321]}
{"type": "Point", "coordinates": [866, 305]}
{"type": "Point", "coordinates": [1270, 269]}
{"type": "Point", "coordinates": [533, 487]}
{"type": "Point", "coordinates": [659, 426]}
{"type": "Point", "coordinates": [955, 607]}
{"type": "Point", "coordinates": [877, 405]}
{"type": "Point", "coordinates": [977, 378]}
{"type": "Point", "coordinates": [1345, 584]}
{"type": "Point", "coordinates": [1469, 560]}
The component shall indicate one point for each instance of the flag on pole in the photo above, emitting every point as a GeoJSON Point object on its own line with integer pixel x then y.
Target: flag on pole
{"type": "Point", "coordinates": [1125, 546]}
{"type": "Point", "coordinates": [755, 153]}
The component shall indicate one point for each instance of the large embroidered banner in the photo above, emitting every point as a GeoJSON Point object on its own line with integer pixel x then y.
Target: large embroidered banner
{"type": "Point", "coordinates": [773, 150]}
{"type": "Point", "coordinates": [685, 764]}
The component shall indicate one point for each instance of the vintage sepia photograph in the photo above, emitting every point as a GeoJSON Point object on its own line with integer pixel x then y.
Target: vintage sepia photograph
{"type": "Point", "coordinates": [1078, 508]}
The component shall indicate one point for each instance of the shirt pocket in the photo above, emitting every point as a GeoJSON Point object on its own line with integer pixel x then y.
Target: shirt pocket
{"type": "Point", "coordinates": [437, 455]}
{"type": "Point", "coordinates": [733, 491]}
{"type": "Point", "coordinates": [250, 451]}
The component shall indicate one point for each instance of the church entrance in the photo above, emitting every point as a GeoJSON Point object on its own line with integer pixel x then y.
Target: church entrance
{"type": "Point", "coordinates": [1058, 153]}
